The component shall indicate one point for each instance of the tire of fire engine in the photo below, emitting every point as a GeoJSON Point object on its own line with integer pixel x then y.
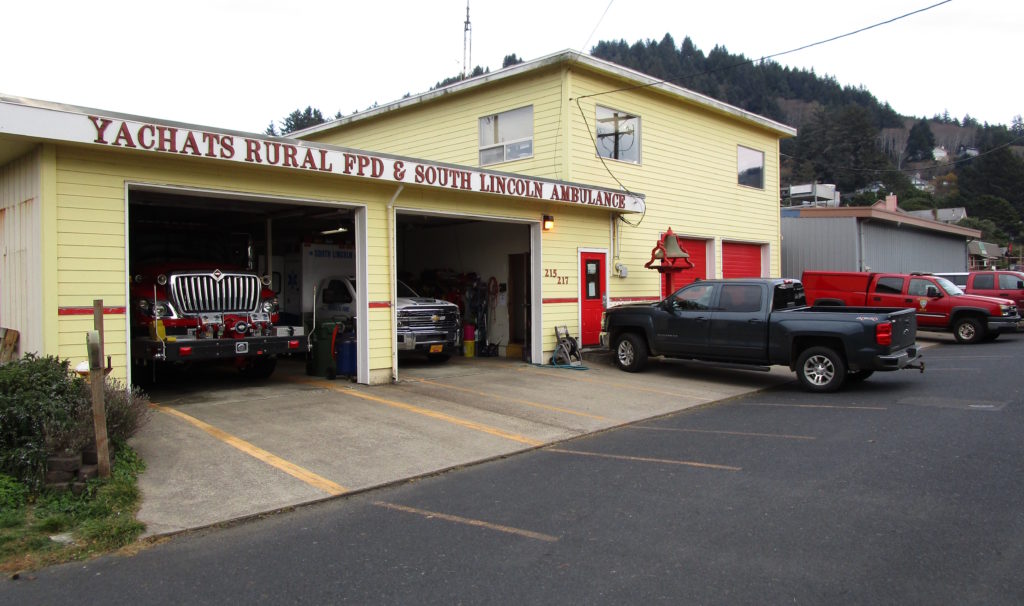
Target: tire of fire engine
{"type": "Point", "coordinates": [630, 352]}
{"type": "Point", "coordinates": [438, 357]}
{"type": "Point", "coordinates": [968, 330]}
{"type": "Point", "coordinates": [859, 375]}
{"type": "Point", "coordinates": [261, 368]}
{"type": "Point", "coordinates": [821, 369]}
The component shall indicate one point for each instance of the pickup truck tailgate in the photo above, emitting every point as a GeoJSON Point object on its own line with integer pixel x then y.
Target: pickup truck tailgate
{"type": "Point", "coordinates": [904, 328]}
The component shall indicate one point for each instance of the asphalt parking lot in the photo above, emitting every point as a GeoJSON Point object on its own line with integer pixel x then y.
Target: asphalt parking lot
{"type": "Point", "coordinates": [219, 449]}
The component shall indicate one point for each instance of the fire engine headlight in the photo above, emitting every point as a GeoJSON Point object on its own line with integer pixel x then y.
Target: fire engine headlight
{"type": "Point", "coordinates": [160, 310]}
{"type": "Point", "coordinates": [144, 305]}
{"type": "Point", "coordinates": [266, 280]}
{"type": "Point", "coordinates": [161, 280]}
{"type": "Point", "coordinates": [270, 306]}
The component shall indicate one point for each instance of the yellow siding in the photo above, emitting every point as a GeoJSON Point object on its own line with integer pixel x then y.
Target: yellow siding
{"type": "Point", "coordinates": [90, 242]}
{"type": "Point", "coordinates": [447, 131]}
{"type": "Point", "coordinates": [688, 169]}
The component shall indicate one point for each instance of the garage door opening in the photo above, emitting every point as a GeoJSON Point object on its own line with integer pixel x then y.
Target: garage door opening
{"type": "Point", "coordinates": [466, 288]}
{"type": "Point", "coordinates": [221, 282]}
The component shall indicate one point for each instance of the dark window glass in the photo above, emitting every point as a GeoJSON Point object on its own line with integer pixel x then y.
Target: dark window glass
{"type": "Point", "coordinates": [694, 298]}
{"type": "Point", "coordinates": [740, 297]}
{"type": "Point", "coordinates": [985, 281]}
{"type": "Point", "coordinates": [889, 286]}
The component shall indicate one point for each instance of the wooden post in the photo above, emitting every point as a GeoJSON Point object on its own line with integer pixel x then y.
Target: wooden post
{"type": "Point", "coordinates": [97, 376]}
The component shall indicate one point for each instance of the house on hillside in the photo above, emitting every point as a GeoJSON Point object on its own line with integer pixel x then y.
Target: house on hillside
{"type": "Point", "coordinates": [881, 237]}
{"type": "Point", "coordinates": [708, 171]}
{"type": "Point", "coordinates": [944, 215]}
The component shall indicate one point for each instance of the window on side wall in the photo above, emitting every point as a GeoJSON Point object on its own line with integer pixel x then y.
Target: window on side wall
{"type": "Point", "coordinates": [618, 135]}
{"type": "Point", "coordinates": [750, 167]}
{"type": "Point", "coordinates": [506, 136]}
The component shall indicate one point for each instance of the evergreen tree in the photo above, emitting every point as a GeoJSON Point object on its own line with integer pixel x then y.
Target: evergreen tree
{"type": "Point", "coordinates": [920, 142]}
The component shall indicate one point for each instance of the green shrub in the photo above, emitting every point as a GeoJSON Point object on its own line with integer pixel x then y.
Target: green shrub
{"type": "Point", "coordinates": [13, 494]}
{"type": "Point", "coordinates": [127, 409]}
{"type": "Point", "coordinates": [42, 411]}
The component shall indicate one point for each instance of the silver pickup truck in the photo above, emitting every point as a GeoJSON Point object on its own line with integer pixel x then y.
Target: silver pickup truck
{"type": "Point", "coordinates": [427, 325]}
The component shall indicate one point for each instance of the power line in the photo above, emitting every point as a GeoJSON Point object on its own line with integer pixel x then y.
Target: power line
{"type": "Point", "coordinates": [597, 25]}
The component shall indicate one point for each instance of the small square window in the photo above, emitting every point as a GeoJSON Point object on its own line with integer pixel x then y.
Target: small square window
{"type": "Point", "coordinates": [750, 167]}
{"type": "Point", "coordinates": [506, 136]}
{"type": "Point", "coordinates": [618, 135]}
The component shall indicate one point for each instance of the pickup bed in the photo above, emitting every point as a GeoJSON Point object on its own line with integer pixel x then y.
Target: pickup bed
{"type": "Point", "coordinates": [764, 322]}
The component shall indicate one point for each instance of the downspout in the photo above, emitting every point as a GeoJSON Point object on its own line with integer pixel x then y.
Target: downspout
{"type": "Point", "coordinates": [393, 282]}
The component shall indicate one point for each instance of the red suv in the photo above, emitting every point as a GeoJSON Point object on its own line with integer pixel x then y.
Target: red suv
{"type": "Point", "coordinates": [996, 283]}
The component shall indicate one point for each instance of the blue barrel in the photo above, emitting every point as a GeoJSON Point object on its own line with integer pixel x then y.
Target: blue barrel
{"type": "Point", "coordinates": [346, 354]}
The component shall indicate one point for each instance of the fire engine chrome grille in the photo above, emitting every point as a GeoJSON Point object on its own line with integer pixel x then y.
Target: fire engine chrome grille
{"type": "Point", "coordinates": [434, 319]}
{"type": "Point", "coordinates": [215, 292]}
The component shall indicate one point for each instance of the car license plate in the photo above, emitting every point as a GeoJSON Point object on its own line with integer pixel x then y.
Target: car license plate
{"type": "Point", "coordinates": [436, 348]}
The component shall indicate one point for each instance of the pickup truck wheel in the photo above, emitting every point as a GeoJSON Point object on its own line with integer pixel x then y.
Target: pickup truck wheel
{"type": "Point", "coordinates": [821, 369]}
{"type": "Point", "coordinates": [630, 352]}
{"type": "Point", "coordinates": [968, 330]}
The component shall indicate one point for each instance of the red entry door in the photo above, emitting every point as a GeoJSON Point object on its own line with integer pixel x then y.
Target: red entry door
{"type": "Point", "coordinates": [592, 289]}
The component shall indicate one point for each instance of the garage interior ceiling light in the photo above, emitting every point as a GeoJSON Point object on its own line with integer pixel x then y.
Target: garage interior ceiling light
{"type": "Point", "coordinates": [336, 230]}
{"type": "Point", "coordinates": [549, 222]}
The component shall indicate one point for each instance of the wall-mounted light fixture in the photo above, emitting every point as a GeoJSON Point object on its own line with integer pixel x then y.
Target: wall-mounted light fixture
{"type": "Point", "coordinates": [549, 223]}
{"type": "Point", "coordinates": [336, 230]}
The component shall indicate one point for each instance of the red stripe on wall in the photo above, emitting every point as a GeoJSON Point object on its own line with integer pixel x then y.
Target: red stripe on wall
{"type": "Point", "coordinates": [87, 311]}
{"type": "Point", "coordinates": [634, 299]}
{"type": "Point", "coordinates": [569, 300]}
{"type": "Point", "coordinates": [380, 304]}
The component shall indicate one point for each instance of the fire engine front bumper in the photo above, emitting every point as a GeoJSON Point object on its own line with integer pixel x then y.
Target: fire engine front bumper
{"type": "Point", "coordinates": [184, 350]}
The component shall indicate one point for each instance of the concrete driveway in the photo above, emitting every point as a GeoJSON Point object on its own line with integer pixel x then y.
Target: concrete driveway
{"type": "Point", "coordinates": [219, 449]}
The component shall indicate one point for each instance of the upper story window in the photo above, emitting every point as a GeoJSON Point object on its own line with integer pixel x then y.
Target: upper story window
{"type": "Point", "coordinates": [750, 167]}
{"type": "Point", "coordinates": [506, 136]}
{"type": "Point", "coordinates": [618, 135]}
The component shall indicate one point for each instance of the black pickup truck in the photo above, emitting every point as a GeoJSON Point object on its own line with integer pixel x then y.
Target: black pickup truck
{"type": "Point", "coordinates": [762, 322]}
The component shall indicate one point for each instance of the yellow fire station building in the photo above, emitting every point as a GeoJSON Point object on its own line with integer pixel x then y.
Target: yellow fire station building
{"type": "Point", "coordinates": [549, 183]}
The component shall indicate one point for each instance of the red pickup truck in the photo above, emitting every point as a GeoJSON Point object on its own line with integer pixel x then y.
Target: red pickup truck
{"type": "Point", "coordinates": [940, 304]}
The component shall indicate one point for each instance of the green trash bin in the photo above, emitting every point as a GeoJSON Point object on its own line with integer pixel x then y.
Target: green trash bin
{"type": "Point", "coordinates": [321, 361]}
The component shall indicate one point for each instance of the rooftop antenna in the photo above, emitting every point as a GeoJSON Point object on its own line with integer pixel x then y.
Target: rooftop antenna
{"type": "Point", "coordinates": [467, 42]}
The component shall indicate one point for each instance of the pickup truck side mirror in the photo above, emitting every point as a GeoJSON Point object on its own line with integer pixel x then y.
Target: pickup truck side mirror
{"type": "Point", "coordinates": [931, 292]}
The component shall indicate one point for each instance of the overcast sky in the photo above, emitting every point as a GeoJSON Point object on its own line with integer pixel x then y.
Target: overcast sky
{"type": "Point", "coordinates": [241, 64]}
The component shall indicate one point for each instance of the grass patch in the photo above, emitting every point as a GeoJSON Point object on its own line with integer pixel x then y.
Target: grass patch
{"type": "Point", "coordinates": [100, 520]}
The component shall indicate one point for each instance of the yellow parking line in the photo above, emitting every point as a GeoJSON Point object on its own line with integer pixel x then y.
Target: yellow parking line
{"type": "Point", "coordinates": [728, 433]}
{"type": "Point", "coordinates": [494, 431]}
{"type": "Point", "coordinates": [469, 521]}
{"type": "Point", "coordinates": [576, 377]}
{"type": "Point", "coordinates": [517, 400]}
{"type": "Point", "coordinates": [644, 459]}
{"type": "Point", "coordinates": [814, 406]}
{"type": "Point", "coordinates": [314, 480]}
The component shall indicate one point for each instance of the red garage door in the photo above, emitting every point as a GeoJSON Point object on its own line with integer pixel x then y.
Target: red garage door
{"type": "Point", "coordinates": [698, 250]}
{"type": "Point", "coordinates": [741, 260]}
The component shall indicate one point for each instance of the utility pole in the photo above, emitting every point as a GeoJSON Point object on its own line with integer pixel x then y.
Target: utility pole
{"type": "Point", "coordinates": [467, 42]}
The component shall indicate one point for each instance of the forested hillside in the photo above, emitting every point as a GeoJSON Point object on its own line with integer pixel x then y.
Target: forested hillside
{"type": "Point", "coordinates": [847, 137]}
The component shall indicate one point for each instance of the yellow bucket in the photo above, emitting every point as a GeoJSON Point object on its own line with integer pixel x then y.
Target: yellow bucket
{"type": "Point", "coordinates": [469, 348]}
